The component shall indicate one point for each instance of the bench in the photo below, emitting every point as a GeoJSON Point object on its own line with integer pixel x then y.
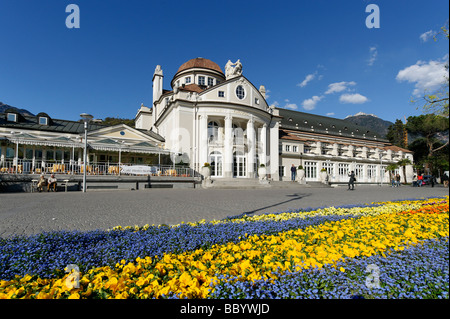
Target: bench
{"type": "Point", "coordinates": [65, 183]}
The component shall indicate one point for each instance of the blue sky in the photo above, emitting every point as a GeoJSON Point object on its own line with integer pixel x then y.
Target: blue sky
{"type": "Point", "coordinates": [314, 56]}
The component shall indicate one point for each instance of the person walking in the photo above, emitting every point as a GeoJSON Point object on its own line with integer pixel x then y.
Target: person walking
{"type": "Point", "coordinates": [351, 181]}
{"type": "Point", "coordinates": [293, 172]}
{"type": "Point", "coordinates": [397, 180]}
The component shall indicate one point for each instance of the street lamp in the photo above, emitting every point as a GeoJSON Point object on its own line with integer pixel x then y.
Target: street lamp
{"type": "Point", "coordinates": [86, 119]}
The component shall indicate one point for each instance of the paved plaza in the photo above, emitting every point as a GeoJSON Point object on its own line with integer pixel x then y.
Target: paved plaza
{"type": "Point", "coordinates": [32, 213]}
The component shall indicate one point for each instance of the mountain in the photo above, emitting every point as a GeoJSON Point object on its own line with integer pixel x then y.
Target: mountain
{"type": "Point", "coordinates": [371, 121]}
{"type": "Point", "coordinates": [4, 107]}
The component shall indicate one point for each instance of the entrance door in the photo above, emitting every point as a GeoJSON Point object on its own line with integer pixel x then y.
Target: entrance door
{"type": "Point", "coordinates": [215, 159]}
{"type": "Point", "coordinates": [239, 165]}
{"type": "Point", "coordinates": [311, 171]}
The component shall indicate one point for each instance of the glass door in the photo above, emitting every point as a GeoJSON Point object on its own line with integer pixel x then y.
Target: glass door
{"type": "Point", "coordinates": [215, 159]}
{"type": "Point", "coordinates": [239, 165]}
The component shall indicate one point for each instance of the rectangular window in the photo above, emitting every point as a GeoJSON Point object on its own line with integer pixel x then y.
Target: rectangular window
{"type": "Point", "coordinates": [295, 149]}
{"type": "Point", "coordinates": [50, 155]}
{"type": "Point", "coordinates": [281, 171]}
{"type": "Point", "coordinates": [28, 154]}
{"type": "Point", "coordinates": [210, 81]}
{"type": "Point", "coordinates": [43, 121]}
{"type": "Point", "coordinates": [38, 154]}
{"type": "Point", "coordinates": [11, 117]}
{"type": "Point", "coordinates": [329, 167]}
{"type": "Point", "coordinates": [310, 170]}
{"type": "Point", "coordinates": [287, 148]}
{"type": "Point", "coordinates": [58, 155]}
{"type": "Point", "coordinates": [201, 80]}
{"type": "Point", "coordinates": [10, 153]}
{"type": "Point", "coordinates": [359, 171]}
{"type": "Point", "coordinates": [67, 156]}
{"type": "Point", "coordinates": [256, 101]}
{"type": "Point", "coordinates": [343, 170]}
{"type": "Point", "coordinates": [306, 149]}
{"type": "Point", "coordinates": [371, 171]}
{"type": "Point", "coordinates": [187, 80]}
{"type": "Point", "coordinates": [221, 94]}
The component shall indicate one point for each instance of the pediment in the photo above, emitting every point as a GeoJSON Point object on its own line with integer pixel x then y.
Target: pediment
{"type": "Point", "coordinates": [122, 132]}
{"type": "Point", "coordinates": [248, 94]}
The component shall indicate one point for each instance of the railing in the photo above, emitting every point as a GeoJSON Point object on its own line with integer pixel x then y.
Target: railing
{"type": "Point", "coordinates": [21, 166]}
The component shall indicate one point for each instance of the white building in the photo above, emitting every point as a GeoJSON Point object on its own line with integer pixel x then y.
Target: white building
{"type": "Point", "coordinates": [224, 119]}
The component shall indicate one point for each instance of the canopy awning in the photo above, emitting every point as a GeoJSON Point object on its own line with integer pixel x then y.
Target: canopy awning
{"type": "Point", "coordinates": [100, 145]}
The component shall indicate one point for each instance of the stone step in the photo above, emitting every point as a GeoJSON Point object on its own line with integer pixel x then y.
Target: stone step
{"type": "Point", "coordinates": [250, 183]}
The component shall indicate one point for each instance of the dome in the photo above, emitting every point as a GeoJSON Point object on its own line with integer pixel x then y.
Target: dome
{"type": "Point", "coordinates": [200, 63]}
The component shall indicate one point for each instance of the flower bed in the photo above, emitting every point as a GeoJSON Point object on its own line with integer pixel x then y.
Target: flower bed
{"type": "Point", "coordinates": [286, 255]}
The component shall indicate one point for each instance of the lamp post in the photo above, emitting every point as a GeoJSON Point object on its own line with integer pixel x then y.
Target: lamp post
{"type": "Point", "coordinates": [86, 119]}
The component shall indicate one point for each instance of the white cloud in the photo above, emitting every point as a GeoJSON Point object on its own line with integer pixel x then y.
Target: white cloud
{"type": "Point", "coordinates": [373, 55]}
{"type": "Point", "coordinates": [339, 87]}
{"type": "Point", "coordinates": [426, 76]}
{"type": "Point", "coordinates": [307, 79]}
{"type": "Point", "coordinates": [353, 98]}
{"type": "Point", "coordinates": [291, 106]}
{"type": "Point", "coordinates": [427, 35]}
{"type": "Point", "coordinates": [310, 104]}
{"type": "Point", "coordinates": [330, 114]}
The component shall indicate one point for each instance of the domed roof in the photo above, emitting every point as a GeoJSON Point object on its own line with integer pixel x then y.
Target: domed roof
{"type": "Point", "coordinates": [200, 63]}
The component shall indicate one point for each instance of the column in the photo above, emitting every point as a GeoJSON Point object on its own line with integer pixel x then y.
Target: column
{"type": "Point", "coordinates": [228, 148]}
{"type": "Point", "coordinates": [203, 145]}
{"type": "Point", "coordinates": [274, 155]}
{"type": "Point", "coordinates": [262, 150]}
{"type": "Point", "coordinates": [251, 148]}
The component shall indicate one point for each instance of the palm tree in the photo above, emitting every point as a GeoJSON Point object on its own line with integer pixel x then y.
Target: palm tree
{"type": "Point", "coordinates": [403, 162]}
{"type": "Point", "coordinates": [391, 168]}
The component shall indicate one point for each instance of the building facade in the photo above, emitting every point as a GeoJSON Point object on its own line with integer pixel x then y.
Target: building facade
{"type": "Point", "coordinates": [223, 119]}
{"type": "Point", "coordinates": [39, 144]}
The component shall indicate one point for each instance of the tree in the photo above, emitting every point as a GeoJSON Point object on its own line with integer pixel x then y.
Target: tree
{"type": "Point", "coordinates": [429, 126]}
{"type": "Point", "coordinates": [114, 121]}
{"type": "Point", "coordinates": [396, 134]}
{"type": "Point", "coordinates": [438, 163]}
{"type": "Point", "coordinates": [437, 102]}
{"type": "Point", "coordinates": [391, 168]}
{"type": "Point", "coordinates": [403, 162]}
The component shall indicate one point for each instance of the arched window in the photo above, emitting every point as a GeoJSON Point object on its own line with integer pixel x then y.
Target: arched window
{"type": "Point", "coordinates": [213, 131]}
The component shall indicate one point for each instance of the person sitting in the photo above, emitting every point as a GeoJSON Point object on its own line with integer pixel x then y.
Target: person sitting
{"type": "Point", "coordinates": [41, 183]}
{"type": "Point", "coordinates": [445, 180]}
{"type": "Point", "coordinates": [415, 181]}
{"type": "Point", "coordinates": [51, 183]}
{"type": "Point", "coordinates": [420, 180]}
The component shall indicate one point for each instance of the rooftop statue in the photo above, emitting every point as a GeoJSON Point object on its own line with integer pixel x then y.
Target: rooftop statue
{"type": "Point", "coordinates": [233, 69]}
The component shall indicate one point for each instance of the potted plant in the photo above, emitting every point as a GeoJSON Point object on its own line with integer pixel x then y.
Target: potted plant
{"type": "Point", "coordinates": [323, 175]}
{"type": "Point", "coordinates": [300, 173]}
{"type": "Point", "coordinates": [206, 170]}
{"type": "Point", "coordinates": [262, 171]}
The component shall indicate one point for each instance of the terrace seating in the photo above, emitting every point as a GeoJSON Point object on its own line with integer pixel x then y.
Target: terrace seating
{"type": "Point", "coordinates": [113, 170]}
{"type": "Point", "coordinates": [58, 168]}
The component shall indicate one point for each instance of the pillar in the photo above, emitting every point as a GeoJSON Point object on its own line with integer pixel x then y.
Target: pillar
{"type": "Point", "coordinates": [228, 148]}
{"type": "Point", "coordinates": [203, 145]}
{"type": "Point", "coordinates": [251, 148]}
{"type": "Point", "coordinates": [274, 149]}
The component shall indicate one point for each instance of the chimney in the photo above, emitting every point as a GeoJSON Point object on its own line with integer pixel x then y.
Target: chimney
{"type": "Point", "coordinates": [157, 83]}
